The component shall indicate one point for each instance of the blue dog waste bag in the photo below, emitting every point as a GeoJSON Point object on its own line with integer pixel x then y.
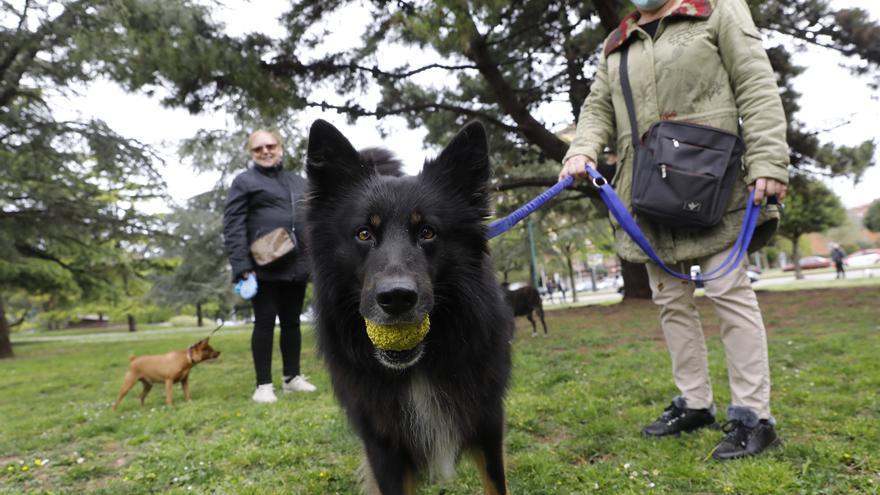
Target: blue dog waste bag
{"type": "Point", "coordinates": [247, 287]}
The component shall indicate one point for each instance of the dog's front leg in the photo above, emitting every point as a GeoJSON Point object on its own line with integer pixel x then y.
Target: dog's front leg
{"type": "Point", "coordinates": [169, 386]}
{"type": "Point", "coordinates": [387, 471]}
{"type": "Point", "coordinates": [185, 384]}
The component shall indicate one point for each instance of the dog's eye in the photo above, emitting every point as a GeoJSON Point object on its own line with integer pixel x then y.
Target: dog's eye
{"type": "Point", "coordinates": [363, 234]}
{"type": "Point", "coordinates": [427, 233]}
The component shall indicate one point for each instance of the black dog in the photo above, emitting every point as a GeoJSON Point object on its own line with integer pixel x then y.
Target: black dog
{"type": "Point", "coordinates": [525, 301]}
{"type": "Point", "coordinates": [395, 251]}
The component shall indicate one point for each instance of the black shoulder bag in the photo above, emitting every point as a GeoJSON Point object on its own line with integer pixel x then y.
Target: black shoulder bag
{"type": "Point", "coordinates": [683, 173]}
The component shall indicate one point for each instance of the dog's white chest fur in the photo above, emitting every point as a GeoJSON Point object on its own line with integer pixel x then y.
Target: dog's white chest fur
{"type": "Point", "coordinates": [433, 428]}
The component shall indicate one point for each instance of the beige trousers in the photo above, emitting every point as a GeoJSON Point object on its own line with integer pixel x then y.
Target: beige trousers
{"type": "Point", "coordinates": [742, 333]}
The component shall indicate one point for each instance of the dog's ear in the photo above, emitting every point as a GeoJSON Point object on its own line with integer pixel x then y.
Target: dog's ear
{"type": "Point", "coordinates": [463, 166]}
{"type": "Point", "coordinates": [331, 160]}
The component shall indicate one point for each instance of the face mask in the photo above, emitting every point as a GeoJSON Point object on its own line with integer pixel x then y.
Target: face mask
{"type": "Point", "coordinates": [649, 4]}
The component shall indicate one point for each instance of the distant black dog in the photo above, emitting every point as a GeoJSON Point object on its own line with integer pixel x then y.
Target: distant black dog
{"type": "Point", "coordinates": [410, 319]}
{"type": "Point", "coordinates": [525, 301]}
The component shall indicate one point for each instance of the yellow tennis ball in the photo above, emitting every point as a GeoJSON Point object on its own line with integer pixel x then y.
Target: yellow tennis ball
{"type": "Point", "coordinates": [400, 337]}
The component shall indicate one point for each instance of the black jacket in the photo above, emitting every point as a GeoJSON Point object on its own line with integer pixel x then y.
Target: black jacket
{"type": "Point", "coordinates": [258, 202]}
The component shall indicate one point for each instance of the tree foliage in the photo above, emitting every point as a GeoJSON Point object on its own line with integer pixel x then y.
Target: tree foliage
{"type": "Point", "coordinates": [70, 189]}
{"type": "Point", "coordinates": [201, 276]}
{"type": "Point", "coordinates": [811, 207]}
{"type": "Point", "coordinates": [871, 220]}
{"type": "Point", "coordinates": [523, 68]}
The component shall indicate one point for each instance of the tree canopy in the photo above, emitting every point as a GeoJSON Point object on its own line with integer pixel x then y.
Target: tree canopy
{"type": "Point", "coordinates": [70, 190]}
{"type": "Point", "coordinates": [871, 220]}
{"type": "Point", "coordinates": [523, 68]}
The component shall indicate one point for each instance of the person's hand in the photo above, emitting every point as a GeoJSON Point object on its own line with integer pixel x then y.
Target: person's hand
{"type": "Point", "coordinates": [575, 166]}
{"type": "Point", "coordinates": [765, 187]}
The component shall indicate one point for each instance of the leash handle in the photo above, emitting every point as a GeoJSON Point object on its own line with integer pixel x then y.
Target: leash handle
{"type": "Point", "coordinates": [501, 226]}
{"type": "Point", "coordinates": [625, 219]}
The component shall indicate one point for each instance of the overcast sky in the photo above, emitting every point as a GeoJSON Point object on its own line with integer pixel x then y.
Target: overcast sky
{"type": "Point", "coordinates": [830, 97]}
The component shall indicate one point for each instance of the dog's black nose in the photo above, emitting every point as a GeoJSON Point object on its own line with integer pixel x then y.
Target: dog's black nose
{"type": "Point", "coordinates": [396, 295]}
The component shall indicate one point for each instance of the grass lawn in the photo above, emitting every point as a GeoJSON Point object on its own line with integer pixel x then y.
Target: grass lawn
{"type": "Point", "coordinates": [575, 409]}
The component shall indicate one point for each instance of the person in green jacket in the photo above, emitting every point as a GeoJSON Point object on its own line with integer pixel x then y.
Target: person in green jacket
{"type": "Point", "coordinates": [699, 61]}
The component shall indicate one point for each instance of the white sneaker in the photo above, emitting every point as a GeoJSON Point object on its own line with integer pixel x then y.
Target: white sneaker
{"type": "Point", "coordinates": [298, 384]}
{"type": "Point", "coordinates": [264, 393]}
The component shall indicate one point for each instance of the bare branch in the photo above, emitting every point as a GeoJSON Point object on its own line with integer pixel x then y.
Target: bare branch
{"type": "Point", "coordinates": [34, 252]}
{"type": "Point", "coordinates": [287, 68]}
{"type": "Point", "coordinates": [528, 126]}
{"type": "Point", "coordinates": [358, 111]}
{"type": "Point", "coordinates": [19, 321]}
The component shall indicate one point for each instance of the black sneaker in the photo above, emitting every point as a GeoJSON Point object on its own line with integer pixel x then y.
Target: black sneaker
{"type": "Point", "coordinates": [676, 419]}
{"type": "Point", "coordinates": [741, 440]}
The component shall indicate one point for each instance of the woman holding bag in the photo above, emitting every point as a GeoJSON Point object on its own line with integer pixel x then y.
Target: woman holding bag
{"type": "Point", "coordinates": [698, 62]}
{"type": "Point", "coordinates": [261, 205]}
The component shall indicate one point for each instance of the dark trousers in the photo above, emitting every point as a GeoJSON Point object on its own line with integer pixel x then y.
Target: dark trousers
{"type": "Point", "coordinates": [284, 300]}
{"type": "Point", "coordinates": [841, 273]}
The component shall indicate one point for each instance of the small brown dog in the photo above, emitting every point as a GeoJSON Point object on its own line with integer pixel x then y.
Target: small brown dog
{"type": "Point", "coordinates": [170, 368]}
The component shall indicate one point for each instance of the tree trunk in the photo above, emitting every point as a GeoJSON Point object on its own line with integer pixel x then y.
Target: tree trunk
{"type": "Point", "coordinates": [199, 314]}
{"type": "Point", "coordinates": [796, 258]}
{"type": "Point", "coordinates": [574, 292]}
{"type": "Point", "coordinates": [5, 342]}
{"type": "Point", "coordinates": [132, 325]}
{"type": "Point", "coordinates": [635, 280]}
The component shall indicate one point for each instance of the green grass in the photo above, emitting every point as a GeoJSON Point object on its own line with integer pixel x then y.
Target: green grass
{"type": "Point", "coordinates": [575, 409]}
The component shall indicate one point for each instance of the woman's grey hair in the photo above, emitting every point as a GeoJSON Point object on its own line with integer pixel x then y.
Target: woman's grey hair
{"type": "Point", "coordinates": [274, 134]}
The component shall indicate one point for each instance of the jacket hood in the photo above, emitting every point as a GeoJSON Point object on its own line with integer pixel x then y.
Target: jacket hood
{"type": "Point", "coordinates": [688, 8]}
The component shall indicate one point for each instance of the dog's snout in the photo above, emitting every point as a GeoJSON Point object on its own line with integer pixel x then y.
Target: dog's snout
{"type": "Point", "coordinates": [397, 295]}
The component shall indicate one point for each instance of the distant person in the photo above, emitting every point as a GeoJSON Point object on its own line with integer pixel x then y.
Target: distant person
{"type": "Point", "coordinates": [261, 199]}
{"type": "Point", "coordinates": [837, 256]}
{"type": "Point", "coordinates": [563, 289]}
{"type": "Point", "coordinates": [551, 288]}
{"type": "Point", "coordinates": [702, 63]}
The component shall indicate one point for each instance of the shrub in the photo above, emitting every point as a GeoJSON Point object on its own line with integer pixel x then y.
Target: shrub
{"type": "Point", "coordinates": [183, 321]}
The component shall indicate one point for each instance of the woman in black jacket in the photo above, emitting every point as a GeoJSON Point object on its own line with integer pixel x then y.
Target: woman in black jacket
{"type": "Point", "coordinates": [262, 198]}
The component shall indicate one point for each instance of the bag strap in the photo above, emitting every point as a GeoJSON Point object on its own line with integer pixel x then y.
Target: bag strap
{"type": "Point", "coordinates": [740, 248]}
{"type": "Point", "coordinates": [606, 192]}
{"type": "Point", "coordinates": [628, 97]}
{"type": "Point", "coordinates": [292, 201]}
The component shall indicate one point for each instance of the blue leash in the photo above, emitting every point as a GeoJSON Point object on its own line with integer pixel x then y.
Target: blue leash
{"type": "Point", "coordinates": [504, 224]}
{"type": "Point", "coordinates": [616, 207]}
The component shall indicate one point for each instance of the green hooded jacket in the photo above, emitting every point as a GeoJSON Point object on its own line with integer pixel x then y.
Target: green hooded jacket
{"type": "Point", "coordinates": [705, 65]}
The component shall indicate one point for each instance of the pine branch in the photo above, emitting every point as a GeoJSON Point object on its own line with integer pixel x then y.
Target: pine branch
{"type": "Point", "coordinates": [359, 111]}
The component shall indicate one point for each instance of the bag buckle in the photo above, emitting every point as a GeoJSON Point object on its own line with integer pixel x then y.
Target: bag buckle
{"type": "Point", "coordinates": [697, 275]}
